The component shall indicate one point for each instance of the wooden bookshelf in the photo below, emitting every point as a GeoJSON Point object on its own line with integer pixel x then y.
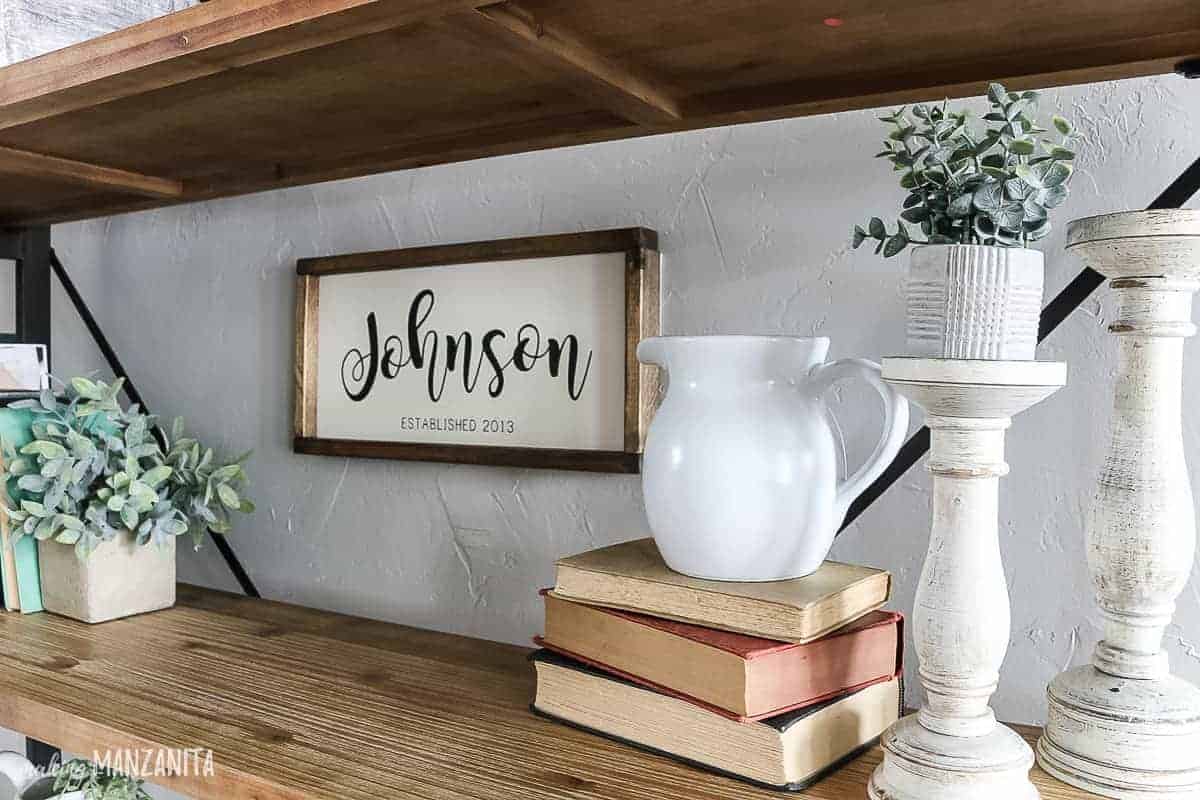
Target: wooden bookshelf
{"type": "Point", "coordinates": [296, 703]}
{"type": "Point", "coordinates": [237, 96]}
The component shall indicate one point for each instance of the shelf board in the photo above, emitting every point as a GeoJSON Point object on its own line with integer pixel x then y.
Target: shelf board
{"type": "Point", "coordinates": [238, 96]}
{"type": "Point", "coordinates": [297, 703]}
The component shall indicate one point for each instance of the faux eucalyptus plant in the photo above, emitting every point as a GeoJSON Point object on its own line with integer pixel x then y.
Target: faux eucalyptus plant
{"type": "Point", "coordinates": [97, 783]}
{"type": "Point", "coordinates": [970, 184]}
{"type": "Point", "coordinates": [95, 470]}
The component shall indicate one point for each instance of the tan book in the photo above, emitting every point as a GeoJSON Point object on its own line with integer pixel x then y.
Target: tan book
{"type": "Point", "coordinates": [634, 577]}
{"type": "Point", "coordinates": [8, 569]}
{"type": "Point", "coordinates": [8, 562]}
{"type": "Point", "coordinates": [790, 751]}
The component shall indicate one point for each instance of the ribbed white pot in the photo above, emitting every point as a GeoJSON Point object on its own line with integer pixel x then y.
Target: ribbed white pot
{"type": "Point", "coordinates": [119, 579]}
{"type": "Point", "coordinates": [973, 301]}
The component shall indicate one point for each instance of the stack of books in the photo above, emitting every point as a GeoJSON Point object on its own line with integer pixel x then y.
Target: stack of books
{"type": "Point", "coordinates": [20, 581]}
{"type": "Point", "coordinates": [774, 683]}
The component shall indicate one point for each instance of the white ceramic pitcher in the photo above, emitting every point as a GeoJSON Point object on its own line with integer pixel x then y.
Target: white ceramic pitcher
{"type": "Point", "coordinates": [29, 781]}
{"type": "Point", "coordinates": [740, 467]}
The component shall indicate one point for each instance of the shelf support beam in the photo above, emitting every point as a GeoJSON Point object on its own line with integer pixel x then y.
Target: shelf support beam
{"type": "Point", "coordinates": [94, 176]}
{"type": "Point", "coordinates": [615, 86]}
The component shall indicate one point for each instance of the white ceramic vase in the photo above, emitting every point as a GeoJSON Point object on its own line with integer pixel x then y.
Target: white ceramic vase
{"type": "Point", "coordinates": [973, 301]}
{"type": "Point", "coordinates": [740, 468]}
{"type": "Point", "coordinates": [119, 579]}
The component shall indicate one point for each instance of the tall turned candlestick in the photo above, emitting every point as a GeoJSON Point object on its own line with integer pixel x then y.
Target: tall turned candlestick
{"type": "Point", "coordinates": [1123, 726]}
{"type": "Point", "coordinates": [953, 748]}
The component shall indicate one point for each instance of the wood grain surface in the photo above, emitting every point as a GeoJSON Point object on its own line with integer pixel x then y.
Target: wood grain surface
{"type": "Point", "coordinates": [297, 703]}
{"type": "Point", "coordinates": [246, 95]}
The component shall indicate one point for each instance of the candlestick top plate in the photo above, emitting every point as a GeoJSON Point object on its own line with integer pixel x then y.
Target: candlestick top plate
{"type": "Point", "coordinates": [1140, 244]}
{"type": "Point", "coordinates": [1139, 224]}
{"type": "Point", "coordinates": [959, 387]}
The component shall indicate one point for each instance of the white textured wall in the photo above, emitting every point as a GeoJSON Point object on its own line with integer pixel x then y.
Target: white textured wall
{"type": "Point", "coordinates": [29, 28]}
{"type": "Point", "coordinates": [754, 223]}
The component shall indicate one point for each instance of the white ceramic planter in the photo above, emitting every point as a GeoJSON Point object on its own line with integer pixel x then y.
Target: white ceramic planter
{"type": "Point", "coordinates": [740, 474]}
{"type": "Point", "coordinates": [972, 301]}
{"type": "Point", "coordinates": [120, 579]}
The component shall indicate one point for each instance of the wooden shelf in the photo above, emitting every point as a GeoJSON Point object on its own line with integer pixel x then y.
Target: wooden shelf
{"type": "Point", "coordinates": [237, 96]}
{"type": "Point", "coordinates": [298, 703]}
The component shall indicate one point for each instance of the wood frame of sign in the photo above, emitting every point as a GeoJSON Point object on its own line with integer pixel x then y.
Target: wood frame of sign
{"type": "Point", "coordinates": [641, 320]}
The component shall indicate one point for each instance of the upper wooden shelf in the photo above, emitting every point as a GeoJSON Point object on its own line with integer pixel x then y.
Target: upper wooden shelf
{"type": "Point", "coordinates": [239, 96]}
{"type": "Point", "coordinates": [296, 703]}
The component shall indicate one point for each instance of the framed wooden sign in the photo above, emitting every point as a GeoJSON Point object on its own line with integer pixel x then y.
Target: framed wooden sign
{"type": "Point", "coordinates": [516, 352]}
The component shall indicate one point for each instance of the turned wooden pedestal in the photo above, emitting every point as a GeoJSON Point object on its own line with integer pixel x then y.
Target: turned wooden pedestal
{"type": "Point", "coordinates": [1123, 726]}
{"type": "Point", "coordinates": [953, 749]}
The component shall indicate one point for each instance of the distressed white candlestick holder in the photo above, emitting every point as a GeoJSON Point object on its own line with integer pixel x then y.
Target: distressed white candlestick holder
{"type": "Point", "coordinates": [953, 748]}
{"type": "Point", "coordinates": [1123, 726]}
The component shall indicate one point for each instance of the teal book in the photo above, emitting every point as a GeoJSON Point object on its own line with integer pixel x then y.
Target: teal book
{"type": "Point", "coordinates": [15, 429]}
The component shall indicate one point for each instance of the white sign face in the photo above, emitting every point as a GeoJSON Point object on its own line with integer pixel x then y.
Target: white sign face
{"type": "Point", "coordinates": [522, 353]}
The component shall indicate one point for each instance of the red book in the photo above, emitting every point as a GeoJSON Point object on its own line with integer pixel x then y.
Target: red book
{"type": "Point", "coordinates": [738, 676]}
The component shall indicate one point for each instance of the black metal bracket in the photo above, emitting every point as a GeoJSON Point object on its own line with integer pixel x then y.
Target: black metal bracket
{"type": "Point", "coordinates": [1070, 298]}
{"type": "Point", "coordinates": [118, 369]}
{"type": "Point", "coordinates": [1189, 68]}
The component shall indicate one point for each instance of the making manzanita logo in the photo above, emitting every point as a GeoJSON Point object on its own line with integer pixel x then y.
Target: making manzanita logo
{"type": "Point", "coordinates": [472, 357]}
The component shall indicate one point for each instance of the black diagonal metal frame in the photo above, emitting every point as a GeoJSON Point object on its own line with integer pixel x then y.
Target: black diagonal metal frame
{"type": "Point", "coordinates": [1053, 315]}
{"type": "Point", "coordinates": [118, 369]}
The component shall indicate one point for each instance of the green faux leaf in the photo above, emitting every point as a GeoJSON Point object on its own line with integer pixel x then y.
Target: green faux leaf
{"type": "Point", "coordinates": [1017, 189]}
{"type": "Point", "coordinates": [87, 389]}
{"type": "Point", "coordinates": [155, 476]}
{"type": "Point", "coordinates": [997, 94]}
{"type": "Point", "coordinates": [961, 205]}
{"type": "Point", "coordinates": [246, 507]}
{"type": "Point", "coordinates": [33, 483]}
{"type": "Point", "coordinates": [45, 529]}
{"type": "Point", "coordinates": [1062, 153]}
{"type": "Point", "coordinates": [876, 227]}
{"type": "Point", "coordinates": [1063, 126]}
{"type": "Point", "coordinates": [1021, 147]}
{"type": "Point", "coordinates": [1030, 175]}
{"type": "Point", "coordinates": [71, 522]}
{"type": "Point", "coordinates": [68, 537]}
{"type": "Point", "coordinates": [1009, 216]}
{"type": "Point", "coordinates": [45, 449]}
{"type": "Point", "coordinates": [1054, 196]}
{"type": "Point", "coordinates": [987, 198]}
{"type": "Point", "coordinates": [33, 508]}
{"type": "Point", "coordinates": [915, 214]}
{"type": "Point", "coordinates": [1056, 173]}
{"type": "Point", "coordinates": [1034, 211]}
{"type": "Point", "coordinates": [230, 498]}
{"type": "Point", "coordinates": [129, 517]}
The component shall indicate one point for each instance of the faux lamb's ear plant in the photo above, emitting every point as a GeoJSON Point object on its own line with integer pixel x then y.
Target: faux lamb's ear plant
{"type": "Point", "coordinates": [94, 470]}
{"type": "Point", "coordinates": [966, 186]}
{"type": "Point", "coordinates": [204, 488]}
{"type": "Point", "coordinates": [97, 783]}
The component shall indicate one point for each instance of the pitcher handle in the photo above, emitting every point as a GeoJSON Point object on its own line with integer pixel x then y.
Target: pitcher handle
{"type": "Point", "coordinates": [895, 424]}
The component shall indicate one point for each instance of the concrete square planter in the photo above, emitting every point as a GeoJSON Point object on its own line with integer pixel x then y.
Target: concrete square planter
{"type": "Point", "coordinates": [973, 301]}
{"type": "Point", "coordinates": [120, 579]}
